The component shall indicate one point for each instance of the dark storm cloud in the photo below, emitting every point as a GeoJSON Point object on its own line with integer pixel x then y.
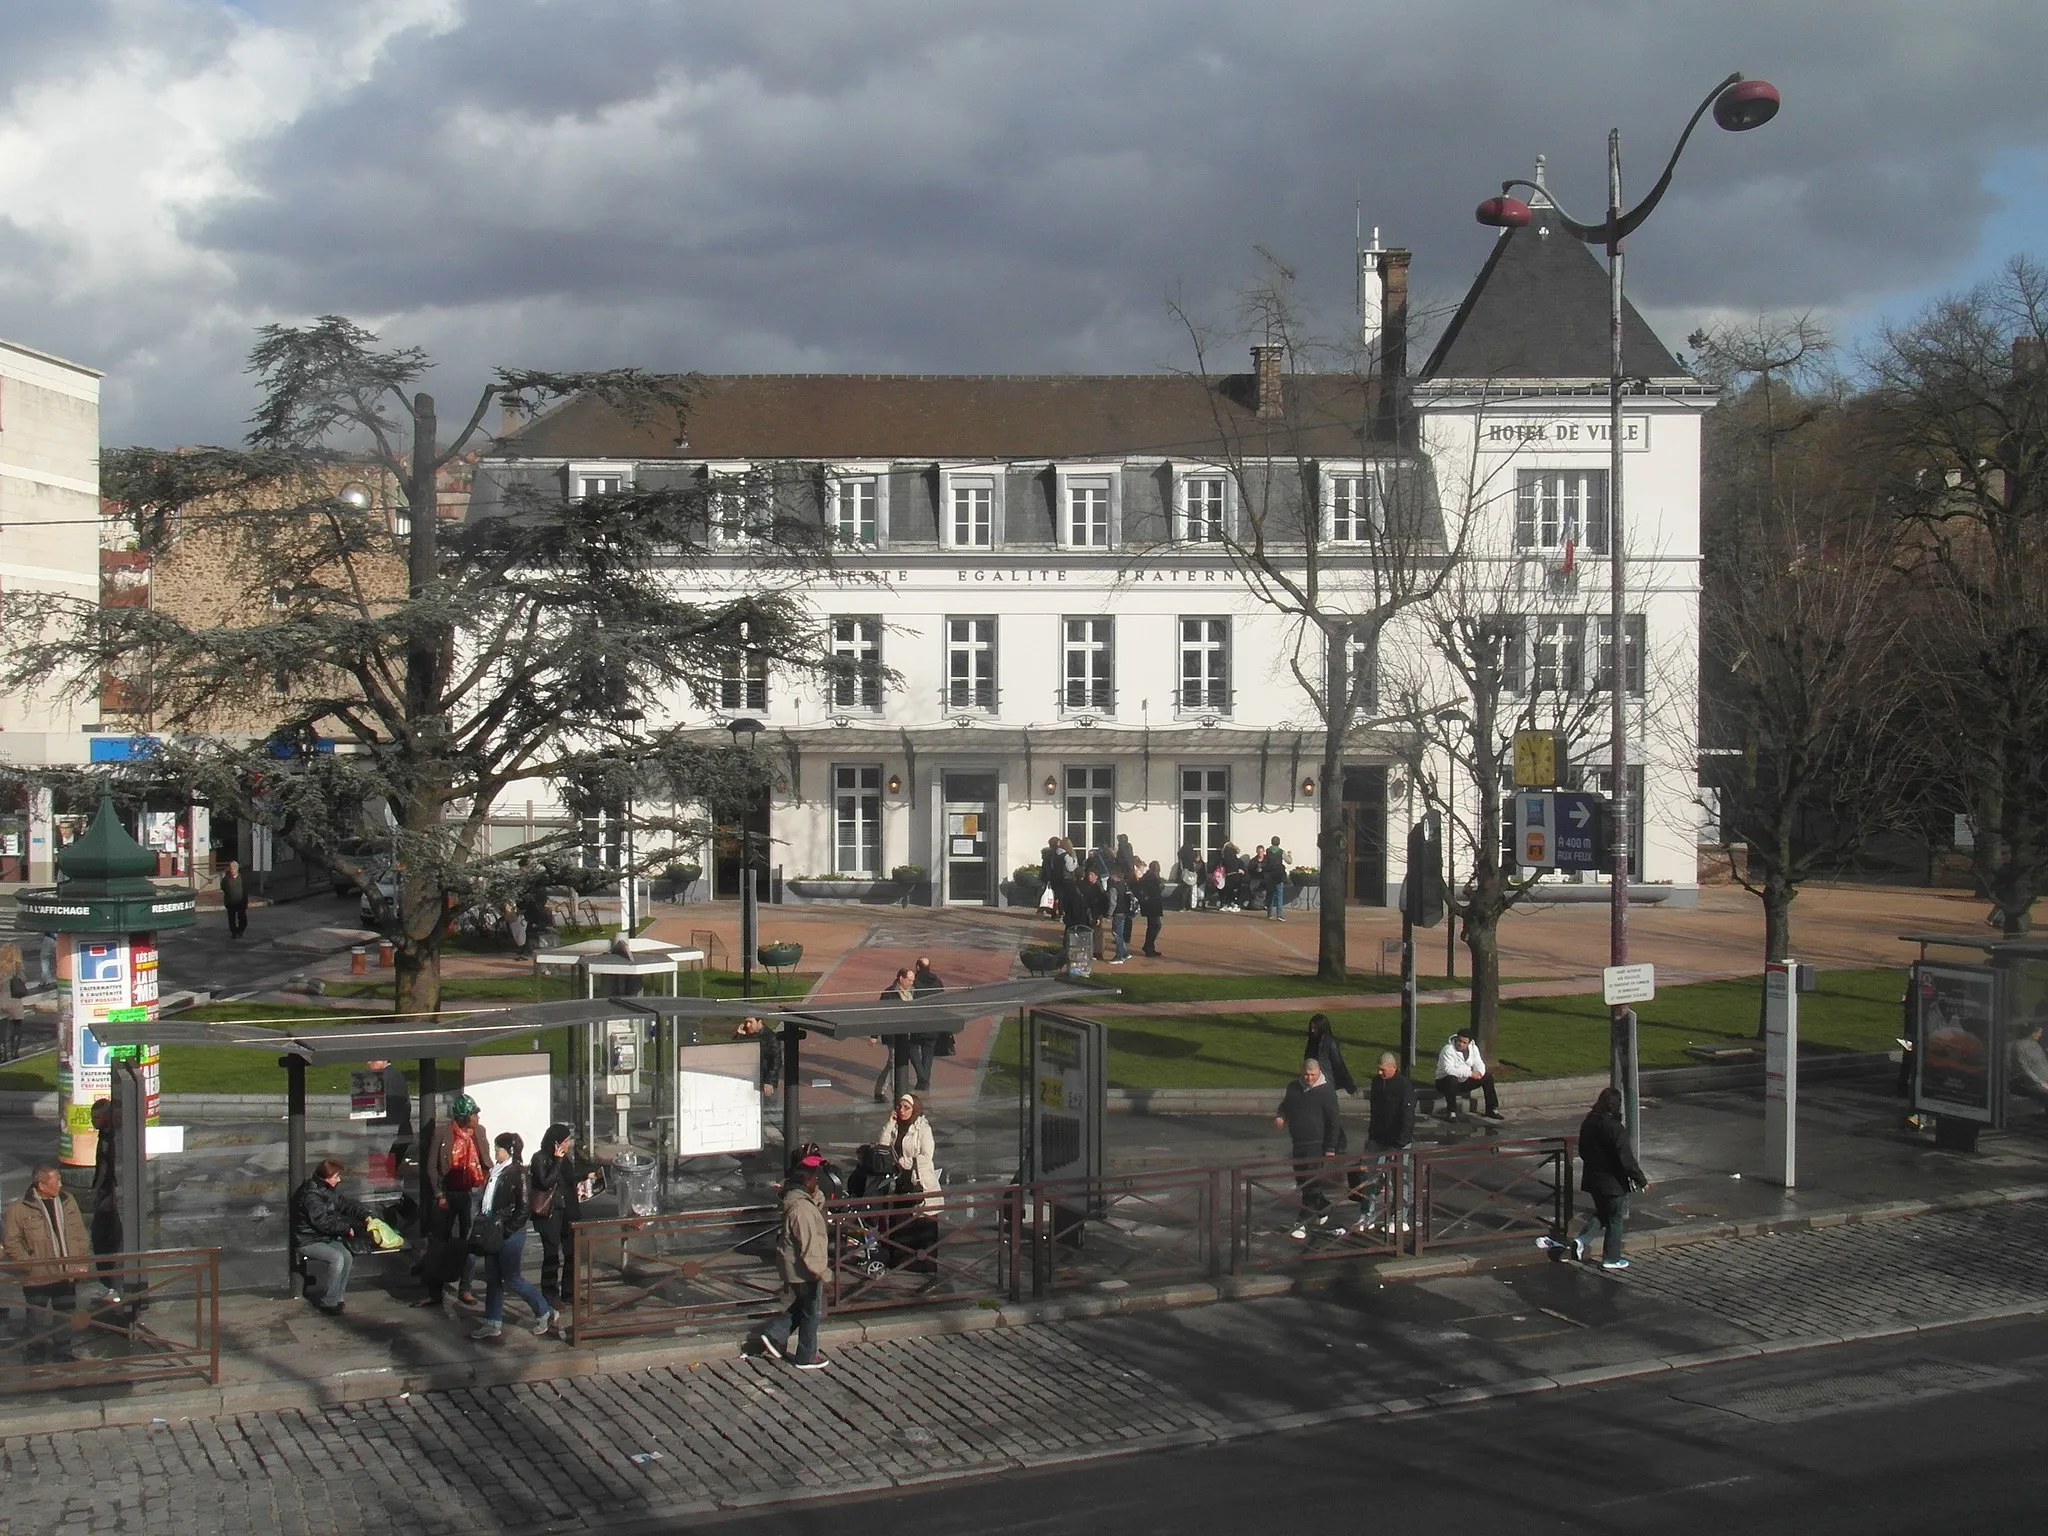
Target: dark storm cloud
{"type": "Point", "coordinates": [992, 187]}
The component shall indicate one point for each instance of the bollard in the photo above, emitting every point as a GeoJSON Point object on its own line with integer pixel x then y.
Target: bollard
{"type": "Point", "coordinates": [384, 955]}
{"type": "Point", "coordinates": [358, 961]}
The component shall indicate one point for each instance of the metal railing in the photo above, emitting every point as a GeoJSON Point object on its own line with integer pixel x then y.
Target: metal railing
{"type": "Point", "coordinates": [1473, 1195]}
{"type": "Point", "coordinates": [1006, 1242]}
{"type": "Point", "coordinates": [166, 1323]}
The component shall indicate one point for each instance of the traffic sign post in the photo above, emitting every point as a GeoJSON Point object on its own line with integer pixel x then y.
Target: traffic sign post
{"type": "Point", "coordinates": [1534, 826]}
{"type": "Point", "coordinates": [1781, 1071]}
{"type": "Point", "coordinates": [1576, 842]}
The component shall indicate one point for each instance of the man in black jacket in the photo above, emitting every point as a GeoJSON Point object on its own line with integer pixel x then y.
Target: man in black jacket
{"type": "Point", "coordinates": [1152, 905]}
{"type": "Point", "coordinates": [323, 1220]}
{"type": "Point", "coordinates": [1314, 1124]}
{"type": "Point", "coordinates": [1389, 1133]}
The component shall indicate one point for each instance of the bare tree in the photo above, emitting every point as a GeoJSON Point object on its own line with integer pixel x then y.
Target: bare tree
{"type": "Point", "coordinates": [1487, 657]}
{"type": "Point", "coordinates": [1805, 682]}
{"type": "Point", "coordinates": [1339, 564]}
{"type": "Point", "coordinates": [457, 661]}
{"type": "Point", "coordinates": [1957, 432]}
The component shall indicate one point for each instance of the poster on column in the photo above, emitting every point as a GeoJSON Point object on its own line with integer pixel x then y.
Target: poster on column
{"type": "Point", "coordinates": [101, 978]}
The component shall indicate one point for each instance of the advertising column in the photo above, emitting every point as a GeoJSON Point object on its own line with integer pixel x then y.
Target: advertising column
{"type": "Point", "coordinates": [101, 978]}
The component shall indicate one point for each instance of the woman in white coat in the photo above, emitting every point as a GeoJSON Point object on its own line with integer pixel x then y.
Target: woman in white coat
{"type": "Point", "coordinates": [912, 1148]}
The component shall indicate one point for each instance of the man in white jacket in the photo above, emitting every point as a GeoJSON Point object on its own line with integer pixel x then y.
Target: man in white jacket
{"type": "Point", "coordinates": [1460, 1071]}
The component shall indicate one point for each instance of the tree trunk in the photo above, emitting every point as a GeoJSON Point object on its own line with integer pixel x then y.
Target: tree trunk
{"type": "Point", "coordinates": [1776, 895]}
{"type": "Point", "coordinates": [1333, 860]}
{"type": "Point", "coordinates": [1482, 939]}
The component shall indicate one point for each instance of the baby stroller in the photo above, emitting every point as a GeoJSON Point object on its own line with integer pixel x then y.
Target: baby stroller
{"type": "Point", "coordinates": [890, 1236]}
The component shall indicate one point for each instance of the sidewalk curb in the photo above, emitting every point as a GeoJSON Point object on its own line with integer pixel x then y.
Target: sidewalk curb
{"type": "Point", "coordinates": [41, 1416]}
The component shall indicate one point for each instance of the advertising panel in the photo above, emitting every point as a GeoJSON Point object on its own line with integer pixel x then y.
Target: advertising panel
{"type": "Point", "coordinates": [1958, 1068]}
{"type": "Point", "coordinates": [100, 977]}
{"type": "Point", "coordinates": [1069, 1097]}
{"type": "Point", "coordinates": [718, 1099]}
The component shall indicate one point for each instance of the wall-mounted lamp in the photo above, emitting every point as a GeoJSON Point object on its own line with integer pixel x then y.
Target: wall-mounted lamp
{"type": "Point", "coordinates": [1308, 789]}
{"type": "Point", "coordinates": [1052, 785]}
{"type": "Point", "coordinates": [895, 784]}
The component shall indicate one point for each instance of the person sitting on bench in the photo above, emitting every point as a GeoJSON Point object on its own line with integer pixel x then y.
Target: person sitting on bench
{"type": "Point", "coordinates": [1460, 1072]}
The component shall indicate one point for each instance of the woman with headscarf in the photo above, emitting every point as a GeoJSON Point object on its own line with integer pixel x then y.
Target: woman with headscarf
{"type": "Point", "coordinates": [1322, 1046]}
{"type": "Point", "coordinates": [555, 1188]}
{"type": "Point", "coordinates": [907, 1141]}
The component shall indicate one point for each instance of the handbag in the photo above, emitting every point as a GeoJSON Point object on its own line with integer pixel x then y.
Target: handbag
{"type": "Point", "coordinates": [540, 1202]}
{"type": "Point", "coordinates": [944, 1044]}
{"type": "Point", "coordinates": [487, 1236]}
{"type": "Point", "coordinates": [1047, 900]}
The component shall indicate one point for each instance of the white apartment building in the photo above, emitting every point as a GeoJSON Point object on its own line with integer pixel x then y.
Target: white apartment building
{"type": "Point", "coordinates": [49, 541]}
{"type": "Point", "coordinates": [1040, 566]}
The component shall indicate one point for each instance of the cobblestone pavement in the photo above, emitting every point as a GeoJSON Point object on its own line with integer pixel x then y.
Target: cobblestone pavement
{"type": "Point", "coordinates": [599, 1452]}
{"type": "Point", "coordinates": [1870, 1275]}
{"type": "Point", "coordinates": [583, 1453]}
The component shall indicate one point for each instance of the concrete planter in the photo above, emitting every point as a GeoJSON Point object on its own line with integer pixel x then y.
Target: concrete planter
{"type": "Point", "coordinates": [873, 892]}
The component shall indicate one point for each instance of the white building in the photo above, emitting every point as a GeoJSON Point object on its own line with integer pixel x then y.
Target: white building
{"type": "Point", "coordinates": [49, 542]}
{"type": "Point", "coordinates": [1037, 562]}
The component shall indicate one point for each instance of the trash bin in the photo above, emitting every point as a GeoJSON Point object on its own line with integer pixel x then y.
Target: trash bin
{"type": "Point", "coordinates": [634, 1180]}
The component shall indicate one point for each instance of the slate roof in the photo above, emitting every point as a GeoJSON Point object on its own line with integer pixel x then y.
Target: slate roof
{"type": "Point", "coordinates": [1538, 310]}
{"type": "Point", "coordinates": [844, 417]}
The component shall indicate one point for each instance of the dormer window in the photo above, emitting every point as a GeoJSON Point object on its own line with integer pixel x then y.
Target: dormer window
{"type": "Point", "coordinates": [598, 479]}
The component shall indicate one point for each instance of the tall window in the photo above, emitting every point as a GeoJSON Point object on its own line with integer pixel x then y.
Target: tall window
{"type": "Point", "coordinates": [1204, 810]}
{"type": "Point", "coordinates": [1559, 507]}
{"type": "Point", "coordinates": [1090, 676]}
{"type": "Point", "coordinates": [1354, 516]}
{"type": "Point", "coordinates": [1557, 650]}
{"type": "Point", "coordinates": [1205, 665]}
{"type": "Point", "coordinates": [1361, 668]}
{"type": "Point", "coordinates": [971, 515]}
{"type": "Point", "coordinates": [853, 508]}
{"type": "Point", "coordinates": [1633, 636]}
{"type": "Point", "coordinates": [741, 511]}
{"type": "Point", "coordinates": [1091, 807]}
{"type": "Point", "coordinates": [1087, 514]}
{"type": "Point", "coordinates": [971, 664]}
{"type": "Point", "coordinates": [743, 682]}
{"type": "Point", "coordinates": [857, 658]}
{"type": "Point", "coordinates": [856, 820]}
{"type": "Point", "coordinates": [1202, 499]}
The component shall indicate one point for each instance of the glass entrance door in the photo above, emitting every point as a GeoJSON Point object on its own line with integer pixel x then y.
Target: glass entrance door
{"type": "Point", "coordinates": [968, 839]}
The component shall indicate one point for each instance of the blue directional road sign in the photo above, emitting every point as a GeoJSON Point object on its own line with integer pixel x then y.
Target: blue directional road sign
{"type": "Point", "coordinates": [1575, 831]}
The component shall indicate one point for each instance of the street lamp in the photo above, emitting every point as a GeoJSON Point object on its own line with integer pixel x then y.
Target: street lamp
{"type": "Point", "coordinates": [1738, 105]}
{"type": "Point", "coordinates": [1450, 718]}
{"type": "Point", "coordinates": [744, 730]}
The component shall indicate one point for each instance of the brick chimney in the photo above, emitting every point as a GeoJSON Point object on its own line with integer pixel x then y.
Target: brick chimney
{"type": "Point", "coordinates": [1393, 334]}
{"type": "Point", "coordinates": [1266, 372]}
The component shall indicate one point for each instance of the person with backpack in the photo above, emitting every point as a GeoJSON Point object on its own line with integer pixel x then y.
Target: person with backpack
{"type": "Point", "coordinates": [500, 1238]}
{"type": "Point", "coordinates": [803, 1255]}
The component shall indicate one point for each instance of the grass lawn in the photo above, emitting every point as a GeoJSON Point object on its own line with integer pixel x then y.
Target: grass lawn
{"type": "Point", "coordinates": [519, 987]}
{"type": "Point", "coordinates": [1192, 987]}
{"type": "Point", "coordinates": [1540, 1037]}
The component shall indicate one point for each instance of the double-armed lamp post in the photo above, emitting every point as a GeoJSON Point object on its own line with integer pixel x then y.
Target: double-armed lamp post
{"type": "Point", "coordinates": [1738, 105]}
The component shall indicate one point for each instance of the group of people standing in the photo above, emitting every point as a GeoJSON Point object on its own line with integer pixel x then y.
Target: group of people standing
{"type": "Point", "coordinates": [483, 1197]}
{"type": "Point", "coordinates": [1106, 891]}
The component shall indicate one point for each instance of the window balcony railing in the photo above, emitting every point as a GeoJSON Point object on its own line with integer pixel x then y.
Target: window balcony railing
{"type": "Point", "coordinates": [969, 698]}
{"type": "Point", "coordinates": [1087, 699]}
{"type": "Point", "coordinates": [1203, 699]}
